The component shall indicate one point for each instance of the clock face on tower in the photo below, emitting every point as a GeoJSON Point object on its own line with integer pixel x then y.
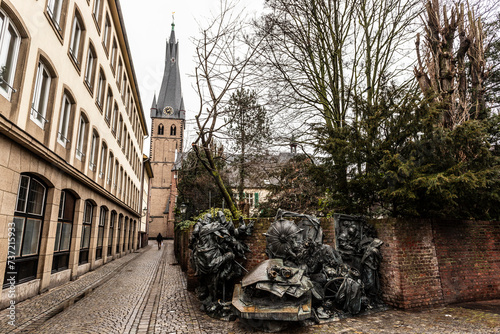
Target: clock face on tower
{"type": "Point", "coordinates": [168, 110]}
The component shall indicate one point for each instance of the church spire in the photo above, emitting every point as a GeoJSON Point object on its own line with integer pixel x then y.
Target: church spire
{"type": "Point", "coordinates": [153, 106]}
{"type": "Point", "coordinates": [170, 102]}
{"type": "Point", "coordinates": [172, 33]}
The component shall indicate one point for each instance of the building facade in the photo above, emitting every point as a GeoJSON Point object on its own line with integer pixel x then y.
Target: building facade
{"type": "Point", "coordinates": [146, 189]}
{"type": "Point", "coordinates": [167, 128]}
{"type": "Point", "coordinates": [71, 138]}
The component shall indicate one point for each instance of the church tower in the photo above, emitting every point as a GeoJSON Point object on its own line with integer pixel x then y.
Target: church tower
{"type": "Point", "coordinates": [167, 128]}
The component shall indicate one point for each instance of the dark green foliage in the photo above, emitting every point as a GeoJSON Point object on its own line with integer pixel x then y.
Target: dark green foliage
{"type": "Point", "coordinates": [401, 163]}
{"type": "Point", "coordinates": [446, 174]}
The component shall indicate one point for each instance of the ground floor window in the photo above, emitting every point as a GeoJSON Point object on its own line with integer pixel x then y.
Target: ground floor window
{"type": "Point", "coordinates": [62, 242]}
{"type": "Point", "coordinates": [100, 232]}
{"type": "Point", "coordinates": [24, 232]}
{"type": "Point", "coordinates": [118, 236]}
{"type": "Point", "coordinates": [86, 229]}
{"type": "Point", "coordinates": [111, 230]}
{"type": "Point", "coordinates": [124, 246]}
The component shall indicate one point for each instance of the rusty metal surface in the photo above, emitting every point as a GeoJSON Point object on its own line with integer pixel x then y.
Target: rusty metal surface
{"type": "Point", "coordinates": [287, 310]}
{"type": "Point", "coordinates": [259, 273]}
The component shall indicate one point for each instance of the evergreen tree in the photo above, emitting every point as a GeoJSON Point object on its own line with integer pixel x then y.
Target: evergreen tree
{"type": "Point", "coordinates": [248, 127]}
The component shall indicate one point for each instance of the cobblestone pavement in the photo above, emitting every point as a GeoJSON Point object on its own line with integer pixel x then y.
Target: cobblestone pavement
{"type": "Point", "coordinates": [33, 312]}
{"type": "Point", "coordinates": [146, 294]}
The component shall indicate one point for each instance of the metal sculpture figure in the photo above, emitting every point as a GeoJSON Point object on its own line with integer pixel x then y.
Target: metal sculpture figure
{"type": "Point", "coordinates": [216, 244]}
{"type": "Point", "coordinates": [313, 278]}
{"type": "Point", "coordinates": [303, 277]}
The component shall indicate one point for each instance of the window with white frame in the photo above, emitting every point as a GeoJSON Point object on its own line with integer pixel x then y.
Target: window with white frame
{"type": "Point", "coordinates": [120, 130]}
{"type": "Point", "coordinates": [101, 86]}
{"type": "Point", "coordinates": [106, 36]}
{"type": "Point", "coordinates": [96, 11]}
{"type": "Point", "coordinates": [41, 95]}
{"type": "Point", "coordinates": [119, 74]}
{"type": "Point", "coordinates": [109, 105]}
{"type": "Point", "coordinates": [110, 169]}
{"type": "Point", "coordinates": [74, 45]}
{"type": "Point", "coordinates": [91, 66]}
{"type": "Point", "coordinates": [115, 173]}
{"type": "Point", "coordinates": [81, 138]}
{"type": "Point", "coordinates": [93, 151]}
{"type": "Point", "coordinates": [102, 165]}
{"type": "Point", "coordinates": [115, 118]}
{"type": "Point", "coordinates": [124, 87]}
{"type": "Point", "coordinates": [124, 139]}
{"type": "Point", "coordinates": [114, 52]}
{"type": "Point", "coordinates": [62, 135]}
{"type": "Point", "coordinates": [54, 9]}
{"type": "Point", "coordinates": [9, 51]}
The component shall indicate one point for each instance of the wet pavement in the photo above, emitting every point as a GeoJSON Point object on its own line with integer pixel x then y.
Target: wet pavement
{"type": "Point", "coordinates": [145, 292]}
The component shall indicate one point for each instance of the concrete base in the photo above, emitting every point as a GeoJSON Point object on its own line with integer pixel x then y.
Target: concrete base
{"type": "Point", "coordinates": [59, 278]}
{"type": "Point", "coordinates": [21, 292]}
{"type": "Point", "coordinates": [82, 269]}
{"type": "Point", "coordinates": [98, 263]}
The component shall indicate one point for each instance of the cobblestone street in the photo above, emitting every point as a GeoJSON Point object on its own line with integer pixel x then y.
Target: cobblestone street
{"type": "Point", "coordinates": [145, 292]}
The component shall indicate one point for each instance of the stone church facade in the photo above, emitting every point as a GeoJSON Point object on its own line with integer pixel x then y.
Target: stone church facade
{"type": "Point", "coordinates": [167, 128]}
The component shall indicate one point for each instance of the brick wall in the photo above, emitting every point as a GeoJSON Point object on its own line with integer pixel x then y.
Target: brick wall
{"type": "Point", "coordinates": [409, 272]}
{"type": "Point", "coordinates": [425, 262]}
{"type": "Point", "coordinates": [432, 262]}
{"type": "Point", "coordinates": [468, 253]}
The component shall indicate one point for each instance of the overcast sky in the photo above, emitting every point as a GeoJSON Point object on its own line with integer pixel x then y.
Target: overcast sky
{"type": "Point", "coordinates": [148, 25]}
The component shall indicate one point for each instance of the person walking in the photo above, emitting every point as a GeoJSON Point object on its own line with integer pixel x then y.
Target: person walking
{"type": "Point", "coordinates": [159, 239]}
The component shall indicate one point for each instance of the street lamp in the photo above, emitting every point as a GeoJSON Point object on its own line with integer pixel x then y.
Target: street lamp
{"type": "Point", "coordinates": [183, 208]}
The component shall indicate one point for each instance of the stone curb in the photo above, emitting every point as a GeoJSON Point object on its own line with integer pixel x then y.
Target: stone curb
{"type": "Point", "coordinates": [35, 311]}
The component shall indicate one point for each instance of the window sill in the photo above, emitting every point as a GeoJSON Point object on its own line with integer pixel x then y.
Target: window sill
{"type": "Point", "coordinates": [38, 123]}
{"type": "Point", "coordinates": [58, 31]}
{"type": "Point", "coordinates": [99, 107]}
{"type": "Point", "coordinates": [106, 50]}
{"type": "Point", "coordinates": [89, 88]}
{"type": "Point", "coordinates": [75, 62]}
{"type": "Point", "coordinates": [97, 24]}
{"type": "Point", "coordinates": [63, 144]}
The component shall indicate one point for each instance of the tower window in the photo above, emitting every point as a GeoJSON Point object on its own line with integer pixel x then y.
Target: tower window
{"type": "Point", "coordinates": [173, 130]}
{"type": "Point", "coordinates": [160, 129]}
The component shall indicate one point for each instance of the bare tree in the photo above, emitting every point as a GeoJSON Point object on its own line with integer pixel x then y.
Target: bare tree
{"type": "Point", "coordinates": [452, 71]}
{"type": "Point", "coordinates": [322, 56]}
{"type": "Point", "coordinates": [223, 54]}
